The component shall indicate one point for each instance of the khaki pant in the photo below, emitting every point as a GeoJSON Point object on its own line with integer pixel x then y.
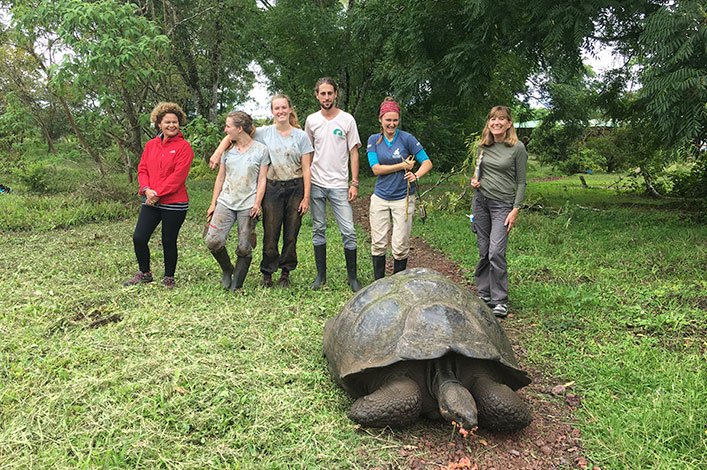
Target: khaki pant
{"type": "Point", "coordinates": [381, 213]}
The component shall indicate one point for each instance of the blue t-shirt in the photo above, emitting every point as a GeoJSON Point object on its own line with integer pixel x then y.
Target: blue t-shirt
{"type": "Point", "coordinates": [392, 187]}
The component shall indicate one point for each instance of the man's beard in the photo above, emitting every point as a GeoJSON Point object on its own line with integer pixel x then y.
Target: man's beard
{"type": "Point", "coordinates": [331, 105]}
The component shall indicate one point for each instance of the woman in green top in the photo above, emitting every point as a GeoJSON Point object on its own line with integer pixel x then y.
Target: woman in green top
{"type": "Point", "coordinates": [499, 181]}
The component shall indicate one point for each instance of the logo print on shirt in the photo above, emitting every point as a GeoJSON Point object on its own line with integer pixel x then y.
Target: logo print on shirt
{"type": "Point", "coordinates": [396, 154]}
{"type": "Point", "coordinates": [338, 132]}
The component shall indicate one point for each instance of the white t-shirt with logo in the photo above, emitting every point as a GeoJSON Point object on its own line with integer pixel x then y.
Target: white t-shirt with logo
{"type": "Point", "coordinates": [332, 140]}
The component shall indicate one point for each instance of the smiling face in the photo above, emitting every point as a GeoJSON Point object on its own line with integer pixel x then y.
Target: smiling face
{"type": "Point", "coordinates": [326, 96]}
{"type": "Point", "coordinates": [230, 129]}
{"type": "Point", "coordinates": [498, 124]}
{"type": "Point", "coordinates": [169, 125]}
{"type": "Point", "coordinates": [281, 110]}
{"type": "Point", "coordinates": [389, 122]}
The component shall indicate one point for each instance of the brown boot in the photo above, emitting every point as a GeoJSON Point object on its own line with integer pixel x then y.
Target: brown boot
{"type": "Point", "coordinates": [284, 280]}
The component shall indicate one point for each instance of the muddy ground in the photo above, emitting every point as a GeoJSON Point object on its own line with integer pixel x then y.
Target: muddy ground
{"type": "Point", "coordinates": [551, 441]}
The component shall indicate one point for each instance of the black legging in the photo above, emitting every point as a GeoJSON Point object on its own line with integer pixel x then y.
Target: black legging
{"type": "Point", "coordinates": [147, 222]}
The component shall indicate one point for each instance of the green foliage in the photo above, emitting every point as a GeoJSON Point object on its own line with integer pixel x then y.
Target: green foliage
{"type": "Point", "coordinates": [204, 136]}
{"type": "Point", "coordinates": [674, 76]}
{"type": "Point", "coordinates": [690, 183]}
{"type": "Point", "coordinates": [36, 176]}
{"type": "Point", "coordinates": [601, 298]}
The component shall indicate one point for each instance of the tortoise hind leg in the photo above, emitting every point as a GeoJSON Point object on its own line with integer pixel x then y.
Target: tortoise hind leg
{"type": "Point", "coordinates": [500, 408]}
{"type": "Point", "coordinates": [396, 403]}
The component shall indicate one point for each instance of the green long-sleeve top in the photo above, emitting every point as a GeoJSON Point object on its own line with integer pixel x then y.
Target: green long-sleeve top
{"type": "Point", "coordinates": [503, 172]}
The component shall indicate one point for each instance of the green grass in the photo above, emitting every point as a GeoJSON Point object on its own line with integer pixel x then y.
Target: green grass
{"type": "Point", "coordinates": [608, 291]}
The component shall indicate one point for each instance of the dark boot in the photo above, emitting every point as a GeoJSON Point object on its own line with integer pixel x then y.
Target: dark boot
{"type": "Point", "coordinates": [267, 280]}
{"type": "Point", "coordinates": [351, 269]}
{"type": "Point", "coordinates": [399, 265]}
{"type": "Point", "coordinates": [378, 267]}
{"type": "Point", "coordinates": [320, 261]}
{"type": "Point", "coordinates": [240, 271]}
{"type": "Point", "coordinates": [284, 280]}
{"type": "Point", "coordinates": [225, 262]}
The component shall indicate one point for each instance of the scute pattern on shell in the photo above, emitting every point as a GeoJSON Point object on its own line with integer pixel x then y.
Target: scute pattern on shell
{"type": "Point", "coordinates": [417, 314]}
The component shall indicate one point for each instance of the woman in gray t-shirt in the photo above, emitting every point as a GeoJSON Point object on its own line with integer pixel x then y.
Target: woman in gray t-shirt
{"type": "Point", "coordinates": [500, 182]}
{"type": "Point", "coordinates": [237, 197]}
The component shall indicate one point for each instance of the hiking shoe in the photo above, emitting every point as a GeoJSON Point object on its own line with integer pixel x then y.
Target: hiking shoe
{"type": "Point", "coordinates": [139, 278]}
{"type": "Point", "coordinates": [284, 280]}
{"type": "Point", "coordinates": [267, 280]}
{"type": "Point", "coordinates": [168, 282]}
{"type": "Point", "coordinates": [486, 300]}
{"type": "Point", "coordinates": [501, 310]}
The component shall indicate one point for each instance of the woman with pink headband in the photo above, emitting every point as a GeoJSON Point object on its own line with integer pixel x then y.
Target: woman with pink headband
{"type": "Point", "coordinates": [392, 154]}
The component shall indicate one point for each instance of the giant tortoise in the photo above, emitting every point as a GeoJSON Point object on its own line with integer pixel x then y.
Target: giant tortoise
{"type": "Point", "coordinates": [416, 344]}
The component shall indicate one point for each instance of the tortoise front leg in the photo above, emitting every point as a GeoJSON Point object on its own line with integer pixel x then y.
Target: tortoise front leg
{"type": "Point", "coordinates": [500, 408]}
{"type": "Point", "coordinates": [396, 403]}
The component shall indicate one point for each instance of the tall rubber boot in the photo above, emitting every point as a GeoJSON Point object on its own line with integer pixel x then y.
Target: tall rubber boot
{"type": "Point", "coordinates": [378, 267]}
{"type": "Point", "coordinates": [240, 271]}
{"type": "Point", "coordinates": [399, 265]}
{"type": "Point", "coordinates": [351, 269]}
{"type": "Point", "coordinates": [320, 262]}
{"type": "Point", "coordinates": [225, 262]}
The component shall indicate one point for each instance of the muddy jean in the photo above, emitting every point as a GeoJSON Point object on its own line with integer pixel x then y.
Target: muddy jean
{"type": "Point", "coordinates": [343, 213]}
{"type": "Point", "coordinates": [281, 212]}
{"type": "Point", "coordinates": [148, 220]}
{"type": "Point", "coordinates": [221, 224]}
{"type": "Point", "coordinates": [491, 239]}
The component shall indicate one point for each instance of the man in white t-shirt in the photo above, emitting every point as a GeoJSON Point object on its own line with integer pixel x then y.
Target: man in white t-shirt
{"type": "Point", "coordinates": [335, 139]}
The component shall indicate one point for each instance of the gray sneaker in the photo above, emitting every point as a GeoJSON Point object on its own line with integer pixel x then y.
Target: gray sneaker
{"type": "Point", "coordinates": [486, 300]}
{"type": "Point", "coordinates": [501, 310]}
{"type": "Point", "coordinates": [139, 278]}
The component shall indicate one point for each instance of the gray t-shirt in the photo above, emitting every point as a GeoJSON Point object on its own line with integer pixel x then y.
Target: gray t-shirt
{"type": "Point", "coordinates": [503, 172]}
{"type": "Point", "coordinates": [285, 152]}
{"type": "Point", "coordinates": [242, 169]}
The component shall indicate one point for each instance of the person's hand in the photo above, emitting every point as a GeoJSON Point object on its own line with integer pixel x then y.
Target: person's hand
{"type": "Point", "coordinates": [511, 219]}
{"type": "Point", "coordinates": [353, 193]}
{"type": "Point", "coordinates": [214, 161]}
{"type": "Point", "coordinates": [411, 177]}
{"type": "Point", "coordinates": [151, 197]}
{"type": "Point", "coordinates": [210, 212]}
{"type": "Point", "coordinates": [303, 206]}
{"type": "Point", "coordinates": [409, 163]}
{"type": "Point", "coordinates": [475, 183]}
{"type": "Point", "coordinates": [255, 210]}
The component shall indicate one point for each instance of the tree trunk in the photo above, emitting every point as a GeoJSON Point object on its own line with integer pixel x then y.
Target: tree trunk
{"type": "Point", "coordinates": [79, 135]}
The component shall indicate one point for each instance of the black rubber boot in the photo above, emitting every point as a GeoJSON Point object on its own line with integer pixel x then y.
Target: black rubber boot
{"type": "Point", "coordinates": [225, 262]}
{"type": "Point", "coordinates": [399, 265]}
{"type": "Point", "coordinates": [320, 261]}
{"type": "Point", "coordinates": [240, 271]}
{"type": "Point", "coordinates": [351, 269]}
{"type": "Point", "coordinates": [378, 267]}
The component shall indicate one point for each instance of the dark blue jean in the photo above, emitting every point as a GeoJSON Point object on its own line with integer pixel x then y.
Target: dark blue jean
{"type": "Point", "coordinates": [281, 214]}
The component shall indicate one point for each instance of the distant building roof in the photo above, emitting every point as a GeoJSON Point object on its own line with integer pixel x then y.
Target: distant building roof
{"type": "Point", "coordinates": [534, 124]}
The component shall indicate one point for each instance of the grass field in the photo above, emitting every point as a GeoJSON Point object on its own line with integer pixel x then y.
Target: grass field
{"type": "Point", "coordinates": [608, 289]}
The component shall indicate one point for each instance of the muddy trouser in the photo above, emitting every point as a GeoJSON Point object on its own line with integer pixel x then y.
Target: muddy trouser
{"type": "Point", "coordinates": [343, 213]}
{"type": "Point", "coordinates": [281, 212]}
{"type": "Point", "coordinates": [221, 224]}
{"type": "Point", "coordinates": [148, 220]}
{"type": "Point", "coordinates": [491, 238]}
{"type": "Point", "coordinates": [381, 212]}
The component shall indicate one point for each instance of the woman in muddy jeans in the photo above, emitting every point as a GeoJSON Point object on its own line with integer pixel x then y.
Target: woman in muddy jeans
{"type": "Point", "coordinates": [288, 186]}
{"type": "Point", "coordinates": [237, 197]}
{"type": "Point", "coordinates": [499, 180]}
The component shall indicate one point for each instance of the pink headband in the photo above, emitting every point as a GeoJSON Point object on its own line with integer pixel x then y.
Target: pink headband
{"type": "Point", "coordinates": [388, 107]}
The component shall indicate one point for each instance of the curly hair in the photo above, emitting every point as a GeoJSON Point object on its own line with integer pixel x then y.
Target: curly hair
{"type": "Point", "coordinates": [163, 108]}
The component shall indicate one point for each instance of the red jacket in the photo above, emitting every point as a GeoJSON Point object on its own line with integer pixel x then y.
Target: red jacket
{"type": "Point", "coordinates": [164, 168]}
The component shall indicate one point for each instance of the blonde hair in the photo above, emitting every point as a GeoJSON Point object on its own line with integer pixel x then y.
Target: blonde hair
{"type": "Point", "coordinates": [163, 108]}
{"type": "Point", "coordinates": [243, 120]}
{"type": "Point", "coordinates": [510, 139]}
{"type": "Point", "coordinates": [294, 121]}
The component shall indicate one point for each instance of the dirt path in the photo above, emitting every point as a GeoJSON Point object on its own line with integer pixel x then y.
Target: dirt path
{"type": "Point", "coordinates": [549, 442]}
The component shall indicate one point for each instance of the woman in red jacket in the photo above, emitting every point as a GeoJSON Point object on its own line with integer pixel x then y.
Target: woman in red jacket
{"type": "Point", "coordinates": [162, 174]}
